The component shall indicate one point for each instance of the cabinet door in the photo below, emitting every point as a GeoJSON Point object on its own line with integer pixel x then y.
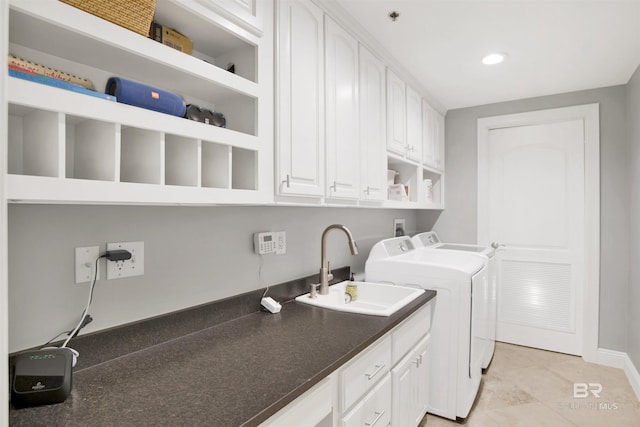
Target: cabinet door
{"type": "Point", "coordinates": [342, 143]}
{"type": "Point", "coordinates": [439, 140]}
{"type": "Point", "coordinates": [247, 13]}
{"type": "Point", "coordinates": [396, 114]}
{"type": "Point", "coordinates": [300, 138]}
{"type": "Point", "coordinates": [404, 386]}
{"type": "Point", "coordinates": [414, 125]}
{"type": "Point", "coordinates": [422, 379]}
{"type": "Point", "coordinates": [428, 135]}
{"type": "Point", "coordinates": [410, 386]}
{"type": "Point", "coordinates": [373, 127]}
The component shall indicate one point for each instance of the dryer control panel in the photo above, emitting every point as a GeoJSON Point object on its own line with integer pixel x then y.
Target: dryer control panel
{"type": "Point", "coordinates": [429, 239]}
{"type": "Point", "coordinates": [398, 246]}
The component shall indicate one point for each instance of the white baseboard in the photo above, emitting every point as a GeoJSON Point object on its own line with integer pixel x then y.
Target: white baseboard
{"type": "Point", "coordinates": [615, 359]}
{"type": "Point", "coordinates": [620, 359]}
{"type": "Point", "coordinates": [633, 376]}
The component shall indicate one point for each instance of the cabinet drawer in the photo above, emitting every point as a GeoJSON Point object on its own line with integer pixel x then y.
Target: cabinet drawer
{"type": "Point", "coordinates": [409, 332]}
{"type": "Point", "coordinates": [364, 371]}
{"type": "Point", "coordinates": [310, 409]}
{"type": "Point", "coordinates": [374, 410]}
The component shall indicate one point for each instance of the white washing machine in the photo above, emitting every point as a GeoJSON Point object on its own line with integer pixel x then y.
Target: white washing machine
{"type": "Point", "coordinates": [430, 240]}
{"type": "Point", "coordinates": [455, 364]}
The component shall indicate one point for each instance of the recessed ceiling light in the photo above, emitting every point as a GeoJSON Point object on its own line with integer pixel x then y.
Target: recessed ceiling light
{"type": "Point", "coordinates": [493, 58]}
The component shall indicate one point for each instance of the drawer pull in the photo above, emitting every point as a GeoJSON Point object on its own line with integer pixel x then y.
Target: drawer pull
{"type": "Point", "coordinates": [377, 418]}
{"type": "Point", "coordinates": [374, 373]}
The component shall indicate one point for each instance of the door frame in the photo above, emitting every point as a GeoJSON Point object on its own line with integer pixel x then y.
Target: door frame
{"type": "Point", "coordinates": [589, 114]}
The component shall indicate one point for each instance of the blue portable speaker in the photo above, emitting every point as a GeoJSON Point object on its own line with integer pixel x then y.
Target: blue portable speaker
{"type": "Point", "coordinates": [144, 96]}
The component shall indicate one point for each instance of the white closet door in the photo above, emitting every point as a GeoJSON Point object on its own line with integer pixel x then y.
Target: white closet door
{"type": "Point", "coordinates": [536, 209]}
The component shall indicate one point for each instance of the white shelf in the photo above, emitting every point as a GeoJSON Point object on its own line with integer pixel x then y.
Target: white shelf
{"type": "Point", "coordinates": [36, 189]}
{"type": "Point", "coordinates": [66, 32]}
{"type": "Point", "coordinates": [67, 147]}
{"type": "Point", "coordinates": [42, 97]}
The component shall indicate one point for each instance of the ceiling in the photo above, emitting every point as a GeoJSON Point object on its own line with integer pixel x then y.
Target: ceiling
{"type": "Point", "coordinates": [552, 46]}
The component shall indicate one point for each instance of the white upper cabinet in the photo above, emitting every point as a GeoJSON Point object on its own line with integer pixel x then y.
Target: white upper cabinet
{"type": "Point", "coordinates": [396, 114]}
{"type": "Point", "coordinates": [342, 142]}
{"type": "Point", "coordinates": [440, 124]}
{"type": "Point", "coordinates": [300, 126]}
{"type": "Point", "coordinates": [433, 137]}
{"type": "Point", "coordinates": [373, 127]}
{"type": "Point", "coordinates": [428, 143]}
{"type": "Point", "coordinates": [414, 125]}
{"type": "Point", "coordinates": [246, 13]}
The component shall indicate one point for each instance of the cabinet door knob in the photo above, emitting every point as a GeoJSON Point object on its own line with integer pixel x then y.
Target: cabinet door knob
{"type": "Point", "coordinates": [334, 187]}
{"type": "Point", "coordinates": [367, 191]}
{"type": "Point", "coordinates": [287, 181]}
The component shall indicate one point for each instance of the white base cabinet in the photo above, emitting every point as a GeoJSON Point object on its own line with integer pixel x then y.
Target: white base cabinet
{"type": "Point", "coordinates": [374, 409]}
{"type": "Point", "coordinates": [312, 409]}
{"type": "Point", "coordinates": [410, 386]}
{"type": "Point", "coordinates": [386, 384]}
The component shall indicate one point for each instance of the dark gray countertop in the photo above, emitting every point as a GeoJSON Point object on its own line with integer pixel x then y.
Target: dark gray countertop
{"type": "Point", "coordinates": [235, 373]}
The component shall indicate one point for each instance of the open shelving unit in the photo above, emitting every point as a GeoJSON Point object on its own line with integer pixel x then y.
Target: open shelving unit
{"type": "Point", "coordinates": [413, 175]}
{"type": "Point", "coordinates": [66, 147]}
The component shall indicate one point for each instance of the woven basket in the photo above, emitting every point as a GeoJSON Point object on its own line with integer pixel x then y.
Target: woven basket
{"type": "Point", "coordinates": [134, 15]}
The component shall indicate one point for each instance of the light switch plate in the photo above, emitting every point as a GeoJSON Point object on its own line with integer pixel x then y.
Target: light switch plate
{"type": "Point", "coordinates": [130, 267]}
{"type": "Point", "coordinates": [85, 263]}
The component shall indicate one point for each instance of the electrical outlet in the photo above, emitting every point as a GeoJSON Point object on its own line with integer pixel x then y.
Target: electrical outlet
{"type": "Point", "coordinates": [85, 263]}
{"type": "Point", "coordinates": [130, 267]}
{"type": "Point", "coordinates": [281, 243]}
{"type": "Point", "coordinates": [398, 228]}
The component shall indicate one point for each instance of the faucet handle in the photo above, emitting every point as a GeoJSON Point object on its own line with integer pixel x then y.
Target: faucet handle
{"type": "Point", "coordinates": [314, 290]}
{"type": "Point", "coordinates": [329, 273]}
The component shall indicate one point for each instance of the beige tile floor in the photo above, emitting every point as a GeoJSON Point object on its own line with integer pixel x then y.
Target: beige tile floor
{"type": "Point", "coordinates": [534, 388]}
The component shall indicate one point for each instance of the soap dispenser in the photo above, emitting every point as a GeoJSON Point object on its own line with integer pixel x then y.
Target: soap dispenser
{"type": "Point", "coordinates": [352, 288]}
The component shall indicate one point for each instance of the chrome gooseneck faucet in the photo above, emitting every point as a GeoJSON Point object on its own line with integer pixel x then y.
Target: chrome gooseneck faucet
{"type": "Point", "coordinates": [325, 273]}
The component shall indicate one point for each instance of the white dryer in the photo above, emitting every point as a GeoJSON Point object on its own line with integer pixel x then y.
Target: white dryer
{"type": "Point", "coordinates": [430, 240]}
{"type": "Point", "coordinates": [456, 358]}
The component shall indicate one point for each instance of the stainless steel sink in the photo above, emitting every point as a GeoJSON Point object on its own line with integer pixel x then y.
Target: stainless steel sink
{"type": "Point", "coordinates": [376, 299]}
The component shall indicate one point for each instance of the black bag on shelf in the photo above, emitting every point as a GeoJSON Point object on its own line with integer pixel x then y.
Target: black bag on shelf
{"type": "Point", "coordinates": [204, 115]}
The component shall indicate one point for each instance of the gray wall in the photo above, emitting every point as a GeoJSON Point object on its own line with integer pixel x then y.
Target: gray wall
{"type": "Point", "coordinates": [458, 222]}
{"type": "Point", "coordinates": [193, 255]}
{"type": "Point", "coordinates": [633, 111]}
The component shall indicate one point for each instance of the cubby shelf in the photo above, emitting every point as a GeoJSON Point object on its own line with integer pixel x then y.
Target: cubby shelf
{"type": "Point", "coordinates": [22, 92]}
{"type": "Point", "coordinates": [413, 175]}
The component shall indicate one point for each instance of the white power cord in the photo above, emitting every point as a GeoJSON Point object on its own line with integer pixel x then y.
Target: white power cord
{"type": "Point", "coordinates": [84, 315]}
